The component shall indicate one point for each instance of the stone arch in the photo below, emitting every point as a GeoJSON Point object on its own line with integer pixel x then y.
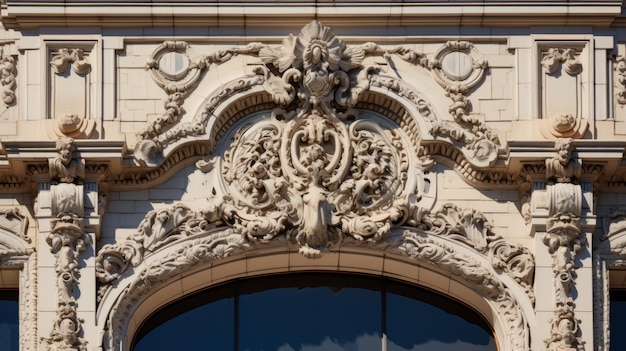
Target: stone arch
{"type": "Point", "coordinates": [440, 262]}
{"type": "Point", "coordinates": [292, 172]}
{"type": "Point", "coordinates": [16, 253]}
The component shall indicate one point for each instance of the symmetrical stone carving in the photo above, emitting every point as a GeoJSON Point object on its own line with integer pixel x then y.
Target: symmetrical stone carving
{"type": "Point", "coordinates": [555, 57]}
{"type": "Point", "coordinates": [564, 241]}
{"type": "Point", "coordinates": [63, 58]}
{"type": "Point", "coordinates": [563, 168]}
{"type": "Point", "coordinates": [71, 125]}
{"type": "Point", "coordinates": [564, 126]}
{"type": "Point", "coordinates": [65, 168]}
{"type": "Point", "coordinates": [206, 236]}
{"type": "Point", "coordinates": [67, 241]}
{"type": "Point", "coordinates": [316, 71]}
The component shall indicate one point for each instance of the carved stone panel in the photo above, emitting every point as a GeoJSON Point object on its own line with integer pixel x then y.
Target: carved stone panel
{"type": "Point", "coordinates": [71, 91]}
{"type": "Point", "coordinates": [562, 85]}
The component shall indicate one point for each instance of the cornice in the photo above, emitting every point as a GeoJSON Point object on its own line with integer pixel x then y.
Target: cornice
{"type": "Point", "coordinates": [116, 13]}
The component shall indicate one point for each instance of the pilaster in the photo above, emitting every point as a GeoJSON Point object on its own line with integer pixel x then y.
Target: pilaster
{"type": "Point", "coordinates": [562, 221]}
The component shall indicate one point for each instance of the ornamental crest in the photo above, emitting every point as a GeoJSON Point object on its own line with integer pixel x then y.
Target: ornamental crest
{"type": "Point", "coordinates": [318, 178]}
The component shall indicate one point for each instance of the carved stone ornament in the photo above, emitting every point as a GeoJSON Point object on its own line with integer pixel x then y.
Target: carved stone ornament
{"type": "Point", "coordinates": [458, 62]}
{"type": "Point", "coordinates": [71, 125]}
{"type": "Point", "coordinates": [62, 59]}
{"type": "Point", "coordinates": [563, 168]}
{"type": "Point", "coordinates": [67, 241]}
{"type": "Point", "coordinates": [64, 168]}
{"type": "Point", "coordinates": [312, 74]}
{"type": "Point", "coordinates": [620, 71]}
{"type": "Point", "coordinates": [13, 221]}
{"type": "Point", "coordinates": [564, 126]}
{"type": "Point", "coordinates": [8, 71]}
{"type": "Point", "coordinates": [565, 241]}
{"type": "Point", "coordinates": [207, 235]}
{"type": "Point", "coordinates": [16, 252]}
{"type": "Point", "coordinates": [555, 57]}
{"type": "Point", "coordinates": [609, 252]}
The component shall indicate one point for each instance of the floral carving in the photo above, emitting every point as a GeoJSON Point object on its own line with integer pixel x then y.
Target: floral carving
{"type": "Point", "coordinates": [319, 176]}
{"type": "Point", "coordinates": [63, 58]}
{"type": "Point", "coordinates": [553, 59]}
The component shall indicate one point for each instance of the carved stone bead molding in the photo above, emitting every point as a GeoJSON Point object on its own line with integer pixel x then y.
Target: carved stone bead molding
{"type": "Point", "coordinates": [206, 235]}
{"type": "Point", "coordinates": [63, 58]}
{"type": "Point", "coordinates": [315, 72]}
{"type": "Point", "coordinates": [8, 71]}
{"type": "Point", "coordinates": [555, 57]}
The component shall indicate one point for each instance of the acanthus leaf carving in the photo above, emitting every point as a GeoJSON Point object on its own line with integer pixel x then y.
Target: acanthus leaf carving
{"type": "Point", "coordinates": [425, 248]}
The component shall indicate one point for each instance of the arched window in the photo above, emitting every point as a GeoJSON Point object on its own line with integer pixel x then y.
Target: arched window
{"type": "Point", "coordinates": [316, 312]}
{"type": "Point", "coordinates": [9, 320]}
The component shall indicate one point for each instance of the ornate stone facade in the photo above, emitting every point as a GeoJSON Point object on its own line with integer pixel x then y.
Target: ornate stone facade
{"type": "Point", "coordinates": [142, 162]}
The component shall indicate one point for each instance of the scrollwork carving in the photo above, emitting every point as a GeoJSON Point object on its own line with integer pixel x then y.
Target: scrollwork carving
{"type": "Point", "coordinates": [424, 248]}
{"type": "Point", "coordinates": [317, 72]}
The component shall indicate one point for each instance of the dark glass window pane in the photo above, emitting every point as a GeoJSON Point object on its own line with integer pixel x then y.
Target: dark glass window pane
{"type": "Point", "coordinates": [310, 319]}
{"type": "Point", "coordinates": [426, 326]}
{"type": "Point", "coordinates": [207, 327]}
{"type": "Point", "coordinates": [618, 319]}
{"type": "Point", "coordinates": [9, 321]}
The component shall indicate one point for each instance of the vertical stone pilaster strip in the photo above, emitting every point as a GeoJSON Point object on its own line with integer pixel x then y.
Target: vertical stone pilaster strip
{"type": "Point", "coordinates": [565, 240]}
{"type": "Point", "coordinates": [67, 240]}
